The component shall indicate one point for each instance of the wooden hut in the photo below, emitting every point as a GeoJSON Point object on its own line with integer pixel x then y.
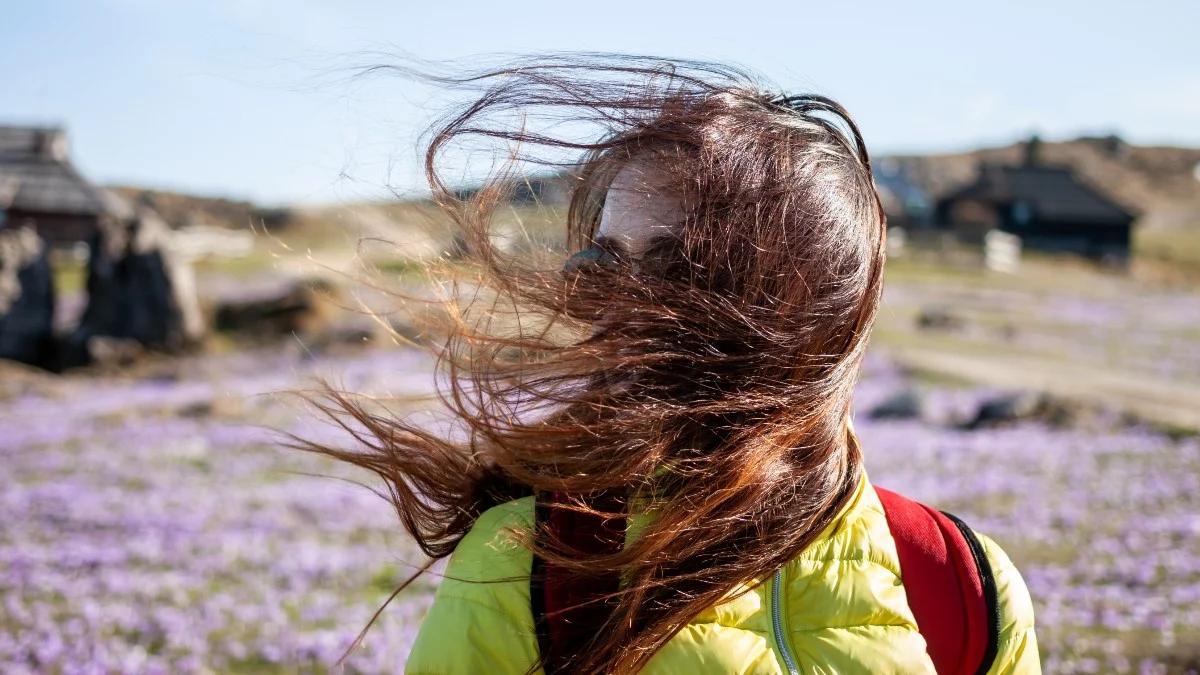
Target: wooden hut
{"type": "Point", "coordinates": [1050, 208]}
{"type": "Point", "coordinates": [40, 187]}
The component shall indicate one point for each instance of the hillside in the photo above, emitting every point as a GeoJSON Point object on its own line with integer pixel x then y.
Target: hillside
{"type": "Point", "coordinates": [1161, 183]}
{"type": "Point", "coordinates": [181, 209]}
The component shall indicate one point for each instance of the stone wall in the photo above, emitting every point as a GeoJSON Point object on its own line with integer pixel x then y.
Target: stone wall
{"type": "Point", "coordinates": [26, 298]}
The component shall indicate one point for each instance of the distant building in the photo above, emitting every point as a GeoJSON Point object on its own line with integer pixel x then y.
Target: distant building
{"type": "Point", "coordinates": [40, 186]}
{"type": "Point", "coordinates": [1048, 207]}
{"type": "Point", "coordinates": [137, 290]}
{"type": "Point", "coordinates": [906, 203]}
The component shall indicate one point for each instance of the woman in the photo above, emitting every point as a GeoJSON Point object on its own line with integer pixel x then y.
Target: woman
{"type": "Point", "coordinates": [659, 471]}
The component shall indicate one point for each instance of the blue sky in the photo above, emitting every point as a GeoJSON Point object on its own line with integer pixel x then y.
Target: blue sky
{"type": "Point", "coordinates": [241, 97]}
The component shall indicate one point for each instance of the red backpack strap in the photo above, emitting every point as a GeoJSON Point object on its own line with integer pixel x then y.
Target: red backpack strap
{"type": "Point", "coordinates": [949, 584]}
{"type": "Point", "coordinates": [569, 610]}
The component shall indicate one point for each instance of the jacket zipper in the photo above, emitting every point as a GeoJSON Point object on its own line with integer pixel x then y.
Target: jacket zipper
{"type": "Point", "coordinates": [777, 624]}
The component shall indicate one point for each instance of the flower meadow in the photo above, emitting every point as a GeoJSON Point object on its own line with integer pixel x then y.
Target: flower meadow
{"type": "Point", "coordinates": [1102, 519]}
{"type": "Point", "coordinates": [156, 523]}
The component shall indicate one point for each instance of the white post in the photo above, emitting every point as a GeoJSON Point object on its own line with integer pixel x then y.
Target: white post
{"type": "Point", "coordinates": [1001, 251]}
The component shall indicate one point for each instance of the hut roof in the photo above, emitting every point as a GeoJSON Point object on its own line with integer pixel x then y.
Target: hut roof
{"type": "Point", "coordinates": [1055, 192]}
{"type": "Point", "coordinates": [36, 175]}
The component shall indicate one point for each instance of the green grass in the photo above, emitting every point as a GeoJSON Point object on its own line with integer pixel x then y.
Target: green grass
{"type": "Point", "coordinates": [401, 268]}
{"type": "Point", "coordinates": [70, 276]}
{"type": "Point", "coordinates": [239, 268]}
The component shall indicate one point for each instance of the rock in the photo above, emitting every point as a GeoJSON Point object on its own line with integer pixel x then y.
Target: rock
{"type": "Point", "coordinates": [26, 299]}
{"type": "Point", "coordinates": [904, 404]}
{"type": "Point", "coordinates": [1005, 409]}
{"type": "Point", "coordinates": [1064, 413]}
{"type": "Point", "coordinates": [940, 319]}
{"type": "Point", "coordinates": [105, 351]}
{"type": "Point", "coordinates": [197, 410]}
{"type": "Point", "coordinates": [1028, 406]}
{"type": "Point", "coordinates": [299, 307]}
{"type": "Point", "coordinates": [136, 291]}
{"type": "Point", "coordinates": [312, 314]}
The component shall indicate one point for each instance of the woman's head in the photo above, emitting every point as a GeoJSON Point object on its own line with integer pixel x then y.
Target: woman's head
{"type": "Point", "coordinates": [705, 370]}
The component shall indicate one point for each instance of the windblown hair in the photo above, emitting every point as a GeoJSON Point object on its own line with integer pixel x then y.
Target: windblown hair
{"type": "Point", "coordinates": [708, 381]}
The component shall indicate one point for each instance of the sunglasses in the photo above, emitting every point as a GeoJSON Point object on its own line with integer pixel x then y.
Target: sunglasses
{"type": "Point", "coordinates": [590, 257]}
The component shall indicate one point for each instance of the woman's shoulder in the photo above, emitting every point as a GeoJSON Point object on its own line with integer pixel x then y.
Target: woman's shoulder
{"type": "Point", "coordinates": [493, 548]}
{"type": "Point", "coordinates": [480, 619]}
{"type": "Point", "coordinates": [1011, 592]}
{"type": "Point", "coordinates": [1017, 649]}
{"type": "Point", "coordinates": [854, 566]}
{"type": "Point", "coordinates": [865, 533]}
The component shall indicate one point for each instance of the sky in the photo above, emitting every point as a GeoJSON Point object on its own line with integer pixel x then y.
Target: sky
{"type": "Point", "coordinates": [252, 99]}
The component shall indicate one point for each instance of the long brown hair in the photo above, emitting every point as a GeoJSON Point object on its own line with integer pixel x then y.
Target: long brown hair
{"type": "Point", "coordinates": [710, 381]}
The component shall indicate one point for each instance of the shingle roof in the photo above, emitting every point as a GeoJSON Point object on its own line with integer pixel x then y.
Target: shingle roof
{"type": "Point", "coordinates": [31, 141]}
{"type": "Point", "coordinates": [37, 175]}
{"type": "Point", "coordinates": [1055, 192]}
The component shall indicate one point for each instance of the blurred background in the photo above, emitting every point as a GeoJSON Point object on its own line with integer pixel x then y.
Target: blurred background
{"type": "Point", "coordinates": [202, 206]}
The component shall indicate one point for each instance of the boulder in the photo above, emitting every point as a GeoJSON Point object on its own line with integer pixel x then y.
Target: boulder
{"type": "Point", "coordinates": [297, 307]}
{"type": "Point", "coordinates": [1005, 408]}
{"type": "Point", "coordinates": [939, 319]}
{"type": "Point", "coordinates": [26, 298]}
{"type": "Point", "coordinates": [312, 313]}
{"type": "Point", "coordinates": [1030, 406]}
{"type": "Point", "coordinates": [904, 404]}
{"type": "Point", "coordinates": [137, 291]}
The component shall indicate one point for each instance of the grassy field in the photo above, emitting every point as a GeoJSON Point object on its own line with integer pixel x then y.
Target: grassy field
{"type": "Point", "coordinates": [1063, 327]}
{"type": "Point", "coordinates": [153, 523]}
{"type": "Point", "coordinates": [1177, 247]}
{"type": "Point", "coordinates": [150, 520]}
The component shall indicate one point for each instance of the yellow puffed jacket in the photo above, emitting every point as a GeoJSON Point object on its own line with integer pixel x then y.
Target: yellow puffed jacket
{"type": "Point", "coordinates": [839, 607]}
